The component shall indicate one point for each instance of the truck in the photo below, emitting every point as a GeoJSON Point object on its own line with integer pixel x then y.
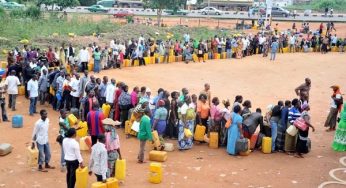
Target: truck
{"type": "Point", "coordinates": [129, 3]}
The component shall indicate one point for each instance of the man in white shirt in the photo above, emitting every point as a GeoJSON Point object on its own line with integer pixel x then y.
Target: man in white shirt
{"type": "Point", "coordinates": [40, 136]}
{"type": "Point", "coordinates": [33, 94]}
{"type": "Point", "coordinates": [84, 58]}
{"type": "Point", "coordinates": [292, 43]}
{"type": "Point", "coordinates": [73, 158]}
{"type": "Point", "coordinates": [110, 90]}
{"type": "Point", "coordinates": [12, 82]}
{"type": "Point", "coordinates": [99, 159]}
{"type": "Point", "coordinates": [75, 91]}
{"type": "Point", "coordinates": [261, 41]}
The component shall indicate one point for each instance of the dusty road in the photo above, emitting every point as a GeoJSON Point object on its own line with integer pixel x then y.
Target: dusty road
{"type": "Point", "coordinates": [257, 79]}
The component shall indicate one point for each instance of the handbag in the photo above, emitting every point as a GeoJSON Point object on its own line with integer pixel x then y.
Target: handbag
{"type": "Point", "coordinates": [300, 124]}
{"type": "Point", "coordinates": [292, 130]}
{"type": "Point", "coordinates": [228, 123]}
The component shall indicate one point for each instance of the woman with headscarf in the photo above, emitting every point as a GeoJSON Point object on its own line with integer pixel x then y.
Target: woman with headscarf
{"type": "Point", "coordinates": [302, 146]}
{"type": "Point", "coordinates": [239, 49]}
{"type": "Point", "coordinates": [339, 143]}
{"type": "Point", "coordinates": [112, 145]}
{"type": "Point", "coordinates": [186, 121]}
{"type": "Point", "coordinates": [160, 118]}
{"type": "Point", "coordinates": [335, 107]}
{"type": "Point", "coordinates": [235, 131]}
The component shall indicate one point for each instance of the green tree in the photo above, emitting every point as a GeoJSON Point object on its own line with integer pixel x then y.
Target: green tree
{"type": "Point", "coordinates": [66, 3]}
{"type": "Point", "coordinates": [160, 5]}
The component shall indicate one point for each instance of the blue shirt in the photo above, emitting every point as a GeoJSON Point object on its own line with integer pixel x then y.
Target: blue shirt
{"type": "Point", "coordinates": [102, 89]}
{"type": "Point", "coordinates": [293, 114]}
{"type": "Point", "coordinates": [275, 47]}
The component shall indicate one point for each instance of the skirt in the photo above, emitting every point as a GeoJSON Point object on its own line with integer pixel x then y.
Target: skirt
{"type": "Point", "coordinates": [332, 118]}
{"type": "Point", "coordinates": [223, 133]}
{"type": "Point", "coordinates": [185, 143]}
{"type": "Point", "coordinates": [339, 143]}
{"type": "Point", "coordinates": [161, 127]}
{"type": "Point", "coordinates": [302, 146]}
{"type": "Point", "coordinates": [280, 139]}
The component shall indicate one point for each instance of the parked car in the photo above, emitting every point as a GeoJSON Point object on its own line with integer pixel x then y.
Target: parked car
{"type": "Point", "coordinates": [259, 10]}
{"type": "Point", "coordinates": [12, 5]}
{"type": "Point", "coordinates": [307, 12]}
{"type": "Point", "coordinates": [122, 14]}
{"type": "Point", "coordinates": [97, 8]}
{"type": "Point", "coordinates": [211, 11]}
{"type": "Point", "coordinates": [278, 11]}
{"type": "Point", "coordinates": [106, 3]}
{"type": "Point", "coordinates": [176, 12]}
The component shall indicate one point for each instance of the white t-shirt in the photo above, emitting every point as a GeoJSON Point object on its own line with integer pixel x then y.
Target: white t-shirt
{"type": "Point", "coordinates": [75, 86]}
{"type": "Point", "coordinates": [292, 40]}
{"type": "Point", "coordinates": [110, 89]}
{"type": "Point", "coordinates": [12, 83]}
{"type": "Point", "coordinates": [183, 109]}
{"type": "Point", "coordinates": [33, 88]}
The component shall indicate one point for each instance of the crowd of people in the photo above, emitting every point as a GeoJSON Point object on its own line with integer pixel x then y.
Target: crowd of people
{"type": "Point", "coordinates": [170, 113]}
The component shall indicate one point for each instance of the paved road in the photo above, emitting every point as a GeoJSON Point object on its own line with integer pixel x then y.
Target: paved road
{"type": "Point", "coordinates": [315, 17]}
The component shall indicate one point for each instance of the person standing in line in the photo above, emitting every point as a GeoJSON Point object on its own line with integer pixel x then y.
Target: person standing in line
{"type": "Point", "coordinates": [335, 108]}
{"type": "Point", "coordinates": [75, 92]}
{"type": "Point", "coordinates": [207, 92]}
{"type": "Point", "coordinates": [33, 94]}
{"type": "Point", "coordinates": [82, 84]}
{"type": "Point", "coordinates": [12, 82]}
{"type": "Point", "coordinates": [84, 58]}
{"type": "Point", "coordinates": [40, 137]}
{"type": "Point", "coordinates": [3, 101]}
{"type": "Point", "coordinates": [102, 90]}
{"type": "Point", "coordinates": [97, 62]}
{"type": "Point", "coordinates": [73, 158]}
{"type": "Point", "coordinates": [94, 120]}
{"type": "Point", "coordinates": [110, 90]}
{"type": "Point", "coordinates": [274, 47]}
{"type": "Point", "coordinates": [98, 159]}
{"type": "Point", "coordinates": [64, 127]}
{"type": "Point", "coordinates": [112, 145]}
{"type": "Point", "coordinates": [43, 87]}
{"type": "Point", "coordinates": [144, 132]}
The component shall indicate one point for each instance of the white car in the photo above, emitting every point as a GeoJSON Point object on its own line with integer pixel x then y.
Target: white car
{"type": "Point", "coordinates": [211, 11]}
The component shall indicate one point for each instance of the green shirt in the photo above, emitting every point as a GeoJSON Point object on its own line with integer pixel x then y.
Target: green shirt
{"type": "Point", "coordinates": [145, 129]}
{"type": "Point", "coordinates": [97, 55]}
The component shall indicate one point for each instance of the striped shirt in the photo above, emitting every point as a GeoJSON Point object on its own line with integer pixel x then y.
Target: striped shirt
{"type": "Point", "coordinates": [94, 120]}
{"type": "Point", "coordinates": [293, 114]}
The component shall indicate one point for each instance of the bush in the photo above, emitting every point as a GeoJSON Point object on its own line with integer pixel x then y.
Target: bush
{"type": "Point", "coordinates": [33, 12]}
{"type": "Point", "coordinates": [2, 12]}
{"type": "Point", "coordinates": [17, 13]}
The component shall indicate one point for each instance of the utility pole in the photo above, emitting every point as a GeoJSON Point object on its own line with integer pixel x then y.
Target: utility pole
{"type": "Point", "coordinates": [269, 5]}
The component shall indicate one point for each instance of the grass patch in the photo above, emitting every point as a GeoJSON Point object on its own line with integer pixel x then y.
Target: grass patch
{"type": "Point", "coordinates": [25, 28]}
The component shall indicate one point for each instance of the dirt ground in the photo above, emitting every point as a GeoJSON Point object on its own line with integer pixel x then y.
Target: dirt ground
{"type": "Point", "coordinates": [215, 23]}
{"type": "Point", "coordinates": [256, 78]}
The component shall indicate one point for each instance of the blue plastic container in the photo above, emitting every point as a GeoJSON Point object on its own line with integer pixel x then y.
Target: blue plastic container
{"type": "Point", "coordinates": [17, 121]}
